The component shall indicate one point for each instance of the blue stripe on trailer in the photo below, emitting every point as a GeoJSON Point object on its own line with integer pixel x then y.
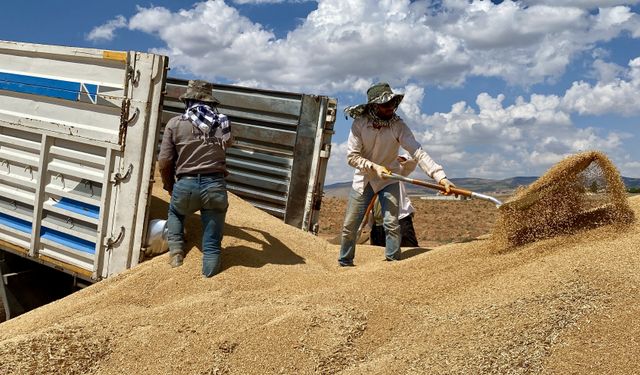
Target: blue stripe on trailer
{"type": "Point", "coordinates": [79, 207]}
{"type": "Point", "coordinates": [15, 223]}
{"type": "Point", "coordinates": [68, 240]}
{"type": "Point", "coordinates": [54, 88]}
{"type": "Point", "coordinates": [92, 91]}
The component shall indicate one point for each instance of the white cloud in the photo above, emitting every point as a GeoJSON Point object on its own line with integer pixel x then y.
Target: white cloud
{"type": "Point", "coordinates": [345, 45]}
{"type": "Point", "coordinates": [612, 95]}
{"type": "Point", "coordinates": [258, 1]}
{"type": "Point", "coordinates": [344, 41]}
{"type": "Point", "coordinates": [151, 20]}
{"type": "Point", "coordinates": [630, 168]}
{"type": "Point", "coordinates": [242, 2]}
{"type": "Point", "coordinates": [497, 140]}
{"type": "Point", "coordinates": [585, 4]}
{"type": "Point", "coordinates": [605, 72]}
{"type": "Point", "coordinates": [107, 31]}
{"type": "Point", "coordinates": [337, 168]}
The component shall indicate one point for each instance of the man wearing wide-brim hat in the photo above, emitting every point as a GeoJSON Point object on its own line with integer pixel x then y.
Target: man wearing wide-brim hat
{"type": "Point", "coordinates": [377, 133]}
{"type": "Point", "coordinates": [192, 163]}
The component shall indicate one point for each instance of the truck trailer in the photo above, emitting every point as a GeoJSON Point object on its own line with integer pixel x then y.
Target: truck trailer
{"type": "Point", "coordinates": [79, 136]}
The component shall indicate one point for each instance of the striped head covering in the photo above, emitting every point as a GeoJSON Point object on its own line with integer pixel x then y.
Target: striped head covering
{"type": "Point", "coordinates": [208, 124]}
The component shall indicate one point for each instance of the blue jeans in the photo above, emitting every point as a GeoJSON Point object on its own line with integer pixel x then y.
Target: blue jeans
{"type": "Point", "coordinates": [356, 207]}
{"type": "Point", "coordinates": [208, 194]}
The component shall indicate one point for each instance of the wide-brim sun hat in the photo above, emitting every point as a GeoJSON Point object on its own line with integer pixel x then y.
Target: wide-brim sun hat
{"type": "Point", "coordinates": [379, 93]}
{"type": "Point", "coordinates": [201, 91]}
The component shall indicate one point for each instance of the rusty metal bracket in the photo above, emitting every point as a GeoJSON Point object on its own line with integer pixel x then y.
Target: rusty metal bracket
{"type": "Point", "coordinates": [133, 76]}
{"type": "Point", "coordinates": [325, 152]}
{"type": "Point", "coordinates": [135, 115]}
{"type": "Point", "coordinates": [110, 242]}
{"type": "Point", "coordinates": [61, 177]}
{"type": "Point", "coordinates": [88, 183]}
{"type": "Point", "coordinates": [124, 120]}
{"type": "Point", "coordinates": [116, 178]}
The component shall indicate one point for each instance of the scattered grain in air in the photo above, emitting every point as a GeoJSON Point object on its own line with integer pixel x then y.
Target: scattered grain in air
{"type": "Point", "coordinates": [564, 298]}
{"type": "Point", "coordinates": [581, 192]}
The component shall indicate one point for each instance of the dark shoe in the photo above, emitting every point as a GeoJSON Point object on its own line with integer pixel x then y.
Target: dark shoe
{"type": "Point", "coordinates": [176, 260]}
{"type": "Point", "coordinates": [346, 264]}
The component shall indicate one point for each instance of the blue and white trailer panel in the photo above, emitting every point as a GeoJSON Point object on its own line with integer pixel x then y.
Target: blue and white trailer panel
{"type": "Point", "coordinates": [78, 130]}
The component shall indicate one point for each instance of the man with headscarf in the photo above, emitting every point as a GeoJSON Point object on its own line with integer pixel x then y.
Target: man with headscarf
{"type": "Point", "coordinates": [377, 133]}
{"type": "Point", "coordinates": [192, 163]}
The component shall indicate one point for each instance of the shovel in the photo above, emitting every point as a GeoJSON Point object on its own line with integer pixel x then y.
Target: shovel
{"type": "Point", "coordinates": [454, 190]}
{"type": "Point", "coordinates": [364, 237]}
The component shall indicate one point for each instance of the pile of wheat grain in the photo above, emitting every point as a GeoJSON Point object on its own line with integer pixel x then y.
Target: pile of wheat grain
{"type": "Point", "coordinates": [281, 305]}
{"type": "Point", "coordinates": [583, 191]}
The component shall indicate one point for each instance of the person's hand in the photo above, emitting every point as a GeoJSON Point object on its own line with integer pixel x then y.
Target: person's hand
{"type": "Point", "coordinates": [447, 186]}
{"type": "Point", "coordinates": [380, 170]}
{"type": "Point", "coordinates": [168, 189]}
{"type": "Point", "coordinates": [407, 165]}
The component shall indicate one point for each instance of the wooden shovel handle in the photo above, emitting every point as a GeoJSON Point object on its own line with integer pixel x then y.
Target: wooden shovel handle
{"type": "Point", "coordinates": [366, 212]}
{"type": "Point", "coordinates": [453, 190]}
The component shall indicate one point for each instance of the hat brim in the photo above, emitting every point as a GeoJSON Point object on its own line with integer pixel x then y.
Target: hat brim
{"type": "Point", "coordinates": [386, 98]}
{"type": "Point", "coordinates": [356, 111]}
{"type": "Point", "coordinates": [199, 97]}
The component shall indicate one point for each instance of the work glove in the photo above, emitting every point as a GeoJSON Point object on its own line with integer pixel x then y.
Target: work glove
{"type": "Point", "coordinates": [407, 164]}
{"type": "Point", "coordinates": [380, 170]}
{"type": "Point", "coordinates": [447, 185]}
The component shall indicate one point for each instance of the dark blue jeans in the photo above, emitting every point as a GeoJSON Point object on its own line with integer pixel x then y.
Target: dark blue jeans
{"type": "Point", "coordinates": [209, 195]}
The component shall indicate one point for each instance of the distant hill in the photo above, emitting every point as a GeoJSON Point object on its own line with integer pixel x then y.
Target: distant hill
{"type": "Point", "coordinates": [631, 182]}
{"type": "Point", "coordinates": [480, 185]}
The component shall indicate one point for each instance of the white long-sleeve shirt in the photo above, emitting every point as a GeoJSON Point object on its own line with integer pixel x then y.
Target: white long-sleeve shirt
{"type": "Point", "coordinates": [367, 145]}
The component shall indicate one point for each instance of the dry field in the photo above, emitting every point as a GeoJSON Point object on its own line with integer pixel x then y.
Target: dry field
{"type": "Point", "coordinates": [566, 304]}
{"type": "Point", "coordinates": [436, 222]}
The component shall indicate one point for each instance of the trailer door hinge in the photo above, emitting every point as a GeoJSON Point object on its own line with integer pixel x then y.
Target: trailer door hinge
{"type": "Point", "coordinates": [332, 108]}
{"type": "Point", "coordinates": [117, 177]}
{"type": "Point", "coordinates": [133, 75]}
{"type": "Point", "coordinates": [110, 241]}
{"type": "Point", "coordinates": [326, 151]}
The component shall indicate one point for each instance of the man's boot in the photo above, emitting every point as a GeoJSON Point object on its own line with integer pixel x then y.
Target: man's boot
{"type": "Point", "coordinates": [176, 260]}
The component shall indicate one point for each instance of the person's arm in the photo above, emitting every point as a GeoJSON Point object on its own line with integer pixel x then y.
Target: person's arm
{"type": "Point", "coordinates": [426, 163]}
{"type": "Point", "coordinates": [166, 160]}
{"type": "Point", "coordinates": [354, 153]}
{"type": "Point", "coordinates": [407, 164]}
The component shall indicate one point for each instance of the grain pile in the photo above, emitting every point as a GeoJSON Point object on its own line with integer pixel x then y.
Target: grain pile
{"type": "Point", "coordinates": [581, 192]}
{"type": "Point", "coordinates": [282, 306]}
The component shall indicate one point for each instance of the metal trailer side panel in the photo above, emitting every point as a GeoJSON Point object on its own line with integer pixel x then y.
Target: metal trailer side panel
{"type": "Point", "coordinates": [127, 231]}
{"type": "Point", "coordinates": [276, 161]}
{"type": "Point", "coordinates": [71, 122]}
{"type": "Point", "coordinates": [153, 137]}
{"type": "Point", "coordinates": [314, 135]}
{"type": "Point", "coordinates": [318, 170]}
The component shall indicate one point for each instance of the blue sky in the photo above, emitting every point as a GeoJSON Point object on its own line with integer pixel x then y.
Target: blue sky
{"type": "Point", "coordinates": [492, 89]}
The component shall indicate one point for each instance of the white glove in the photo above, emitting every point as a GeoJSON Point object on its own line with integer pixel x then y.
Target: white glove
{"type": "Point", "coordinates": [380, 170]}
{"type": "Point", "coordinates": [447, 185]}
{"type": "Point", "coordinates": [407, 164]}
